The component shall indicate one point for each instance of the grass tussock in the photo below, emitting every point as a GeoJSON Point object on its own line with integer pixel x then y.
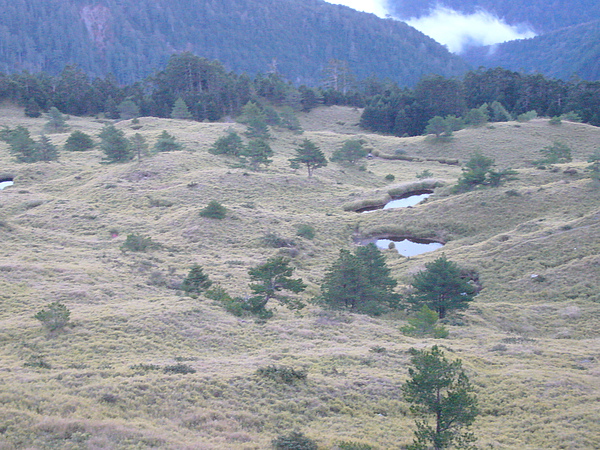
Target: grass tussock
{"type": "Point", "coordinates": [141, 365]}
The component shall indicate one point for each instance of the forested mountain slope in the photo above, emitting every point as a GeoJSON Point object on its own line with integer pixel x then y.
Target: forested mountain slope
{"type": "Point", "coordinates": [133, 38]}
{"type": "Point", "coordinates": [560, 54]}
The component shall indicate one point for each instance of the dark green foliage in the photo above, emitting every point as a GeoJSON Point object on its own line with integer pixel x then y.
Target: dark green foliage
{"type": "Point", "coordinates": [196, 281]}
{"type": "Point", "coordinates": [360, 282]}
{"type": "Point", "coordinates": [438, 125]}
{"type": "Point", "coordinates": [424, 324]}
{"type": "Point", "coordinates": [478, 172]}
{"type": "Point", "coordinates": [25, 149]}
{"type": "Point", "coordinates": [425, 174]}
{"type": "Point", "coordinates": [180, 110]}
{"type": "Point", "coordinates": [138, 145]}
{"type": "Point", "coordinates": [55, 317]}
{"type": "Point", "coordinates": [389, 178]}
{"type": "Point", "coordinates": [269, 280]}
{"type": "Point", "coordinates": [441, 287]}
{"type": "Point", "coordinates": [38, 362]}
{"type": "Point", "coordinates": [32, 109]}
{"type": "Point", "coordinates": [138, 243]}
{"type": "Point", "coordinates": [556, 153]}
{"type": "Point", "coordinates": [214, 210]}
{"type": "Point", "coordinates": [128, 109]}
{"type": "Point", "coordinates": [352, 150]}
{"type": "Point", "coordinates": [45, 150]}
{"type": "Point", "coordinates": [527, 116]}
{"type": "Point", "coordinates": [78, 141]}
{"type": "Point", "coordinates": [256, 121]}
{"type": "Point", "coordinates": [477, 116]}
{"type": "Point", "coordinates": [350, 445]}
{"type": "Point", "coordinates": [166, 143]}
{"type": "Point", "coordinates": [231, 144]}
{"type": "Point", "coordinates": [56, 121]}
{"type": "Point", "coordinates": [499, 112]}
{"type": "Point", "coordinates": [294, 441]}
{"type": "Point", "coordinates": [306, 231]}
{"type": "Point", "coordinates": [289, 119]}
{"type": "Point", "coordinates": [181, 368]}
{"type": "Point", "coordinates": [115, 145]}
{"type": "Point", "coordinates": [283, 374]}
{"type": "Point", "coordinates": [309, 155]}
{"type": "Point", "coordinates": [441, 395]}
{"type": "Point", "coordinates": [257, 153]}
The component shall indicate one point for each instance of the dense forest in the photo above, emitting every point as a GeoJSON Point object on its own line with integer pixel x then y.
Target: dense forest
{"type": "Point", "coordinates": [573, 51]}
{"type": "Point", "coordinates": [542, 15]}
{"type": "Point", "coordinates": [209, 92]}
{"type": "Point", "coordinates": [134, 39]}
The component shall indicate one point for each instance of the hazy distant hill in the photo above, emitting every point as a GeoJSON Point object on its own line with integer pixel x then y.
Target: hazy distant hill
{"type": "Point", "coordinates": [543, 16]}
{"type": "Point", "coordinates": [132, 39]}
{"type": "Point", "coordinates": [560, 54]}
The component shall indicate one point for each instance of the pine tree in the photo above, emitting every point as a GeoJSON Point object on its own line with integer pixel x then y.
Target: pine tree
{"type": "Point", "coordinates": [196, 280]}
{"type": "Point", "coordinates": [440, 389]}
{"type": "Point", "coordinates": [352, 150]}
{"type": "Point", "coordinates": [78, 141]}
{"type": "Point", "coordinates": [32, 109]}
{"type": "Point", "coordinates": [257, 153]}
{"type": "Point", "coordinates": [309, 155]}
{"type": "Point", "coordinates": [21, 145]}
{"type": "Point", "coordinates": [45, 150]}
{"type": "Point", "coordinates": [231, 144]}
{"type": "Point", "coordinates": [167, 143]}
{"type": "Point", "coordinates": [180, 110]}
{"type": "Point", "coordinates": [128, 109]}
{"type": "Point", "coordinates": [441, 287]}
{"type": "Point", "coordinates": [56, 121]}
{"type": "Point", "coordinates": [114, 144]}
{"type": "Point", "coordinates": [360, 282]}
{"type": "Point", "coordinates": [139, 146]}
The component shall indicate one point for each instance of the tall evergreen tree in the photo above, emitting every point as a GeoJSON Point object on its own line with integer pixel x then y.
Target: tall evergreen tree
{"type": "Point", "coordinates": [21, 145]}
{"type": "Point", "coordinates": [180, 110]}
{"type": "Point", "coordinates": [56, 121]}
{"type": "Point", "coordinates": [442, 396]}
{"type": "Point", "coordinates": [167, 143]}
{"type": "Point", "coordinates": [441, 287]}
{"type": "Point", "coordinates": [45, 150]}
{"type": "Point", "coordinates": [309, 155]}
{"type": "Point", "coordinates": [231, 144]}
{"type": "Point", "coordinates": [114, 144]}
{"type": "Point", "coordinates": [257, 153]}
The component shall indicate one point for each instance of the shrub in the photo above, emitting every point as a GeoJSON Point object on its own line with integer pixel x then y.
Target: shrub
{"type": "Point", "coordinates": [78, 141]}
{"type": "Point", "coordinates": [389, 177]}
{"type": "Point", "coordinates": [166, 143]}
{"type": "Point", "coordinates": [55, 317]}
{"type": "Point", "coordinates": [294, 441]}
{"type": "Point", "coordinates": [425, 174]}
{"type": "Point", "coordinates": [423, 324]}
{"type": "Point", "coordinates": [138, 243]}
{"type": "Point", "coordinates": [350, 445]}
{"type": "Point", "coordinates": [305, 231]}
{"type": "Point", "coordinates": [196, 280]}
{"type": "Point", "coordinates": [274, 241]}
{"type": "Point", "coordinates": [283, 374]}
{"type": "Point", "coordinates": [227, 145]}
{"type": "Point", "coordinates": [526, 117]}
{"type": "Point", "coordinates": [214, 210]}
{"type": "Point", "coordinates": [555, 154]}
{"type": "Point", "coordinates": [179, 368]}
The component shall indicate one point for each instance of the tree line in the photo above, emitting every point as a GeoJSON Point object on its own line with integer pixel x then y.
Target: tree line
{"type": "Point", "coordinates": [191, 87]}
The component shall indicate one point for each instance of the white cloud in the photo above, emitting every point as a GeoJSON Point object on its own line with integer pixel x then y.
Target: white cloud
{"type": "Point", "coordinates": [457, 31]}
{"type": "Point", "coordinates": [371, 6]}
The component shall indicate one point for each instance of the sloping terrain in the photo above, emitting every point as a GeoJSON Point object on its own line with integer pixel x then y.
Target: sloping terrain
{"type": "Point", "coordinates": [529, 340]}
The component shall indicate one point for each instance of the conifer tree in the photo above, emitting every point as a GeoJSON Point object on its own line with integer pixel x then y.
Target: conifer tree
{"type": "Point", "coordinates": [139, 146]}
{"type": "Point", "coordinates": [441, 287]}
{"type": "Point", "coordinates": [114, 144]}
{"type": "Point", "coordinates": [180, 110]}
{"type": "Point", "coordinates": [167, 143]}
{"type": "Point", "coordinates": [128, 109]}
{"type": "Point", "coordinates": [309, 155]}
{"type": "Point", "coordinates": [231, 144]}
{"type": "Point", "coordinates": [196, 280]}
{"type": "Point", "coordinates": [257, 153]}
{"type": "Point", "coordinates": [56, 121]}
{"type": "Point", "coordinates": [442, 396]}
{"type": "Point", "coordinates": [78, 141]}
{"type": "Point", "coordinates": [32, 109]}
{"type": "Point", "coordinates": [352, 150]}
{"type": "Point", "coordinates": [45, 150]}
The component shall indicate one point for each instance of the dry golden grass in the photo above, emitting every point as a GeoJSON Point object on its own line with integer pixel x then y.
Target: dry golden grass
{"type": "Point", "coordinates": [530, 346]}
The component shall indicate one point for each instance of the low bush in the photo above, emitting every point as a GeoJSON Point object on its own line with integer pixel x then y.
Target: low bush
{"type": "Point", "coordinates": [179, 368]}
{"type": "Point", "coordinates": [294, 441]}
{"type": "Point", "coordinates": [138, 243]}
{"type": "Point", "coordinates": [282, 374]}
{"type": "Point", "coordinates": [214, 210]}
{"type": "Point", "coordinates": [305, 231]}
{"type": "Point", "coordinates": [55, 317]}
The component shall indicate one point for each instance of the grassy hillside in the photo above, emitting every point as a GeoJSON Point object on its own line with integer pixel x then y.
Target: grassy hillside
{"type": "Point", "coordinates": [530, 346]}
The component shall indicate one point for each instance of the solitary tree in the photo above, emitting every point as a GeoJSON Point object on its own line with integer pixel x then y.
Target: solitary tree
{"type": "Point", "coordinates": [45, 150]}
{"type": "Point", "coordinates": [55, 317]}
{"type": "Point", "coordinates": [478, 172]}
{"type": "Point", "coordinates": [214, 210]}
{"type": "Point", "coordinates": [231, 144]}
{"type": "Point", "coordinates": [196, 281]}
{"type": "Point", "coordinates": [56, 121]}
{"type": "Point", "coordinates": [352, 150]}
{"type": "Point", "coordinates": [442, 396]}
{"type": "Point", "coordinates": [78, 141]}
{"type": "Point", "coordinates": [257, 153]}
{"type": "Point", "coordinates": [438, 125]}
{"type": "Point", "coordinates": [360, 282]}
{"type": "Point", "coordinates": [180, 110]}
{"type": "Point", "coordinates": [114, 144]}
{"type": "Point", "coordinates": [269, 280]}
{"type": "Point", "coordinates": [441, 287]}
{"type": "Point", "coordinates": [310, 155]}
{"type": "Point", "coordinates": [139, 146]}
{"type": "Point", "coordinates": [167, 143]}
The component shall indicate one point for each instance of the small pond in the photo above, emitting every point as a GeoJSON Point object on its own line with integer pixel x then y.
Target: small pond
{"type": "Point", "coordinates": [5, 183]}
{"type": "Point", "coordinates": [408, 246]}
{"type": "Point", "coordinates": [405, 201]}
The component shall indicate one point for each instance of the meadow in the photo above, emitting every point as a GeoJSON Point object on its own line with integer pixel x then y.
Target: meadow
{"type": "Point", "coordinates": [529, 341]}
